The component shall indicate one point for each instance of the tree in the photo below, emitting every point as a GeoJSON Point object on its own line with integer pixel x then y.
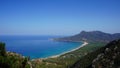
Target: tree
{"type": "Point", "coordinates": [2, 49]}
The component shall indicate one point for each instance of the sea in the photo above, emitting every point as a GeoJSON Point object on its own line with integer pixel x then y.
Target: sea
{"type": "Point", "coordinates": [37, 46]}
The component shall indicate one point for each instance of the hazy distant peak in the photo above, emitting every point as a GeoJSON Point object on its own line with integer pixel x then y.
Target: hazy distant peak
{"type": "Point", "coordinates": [92, 36]}
{"type": "Point", "coordinates": [97, 31]}
{"type": "Point", "coordinates": [83, 31]}
{"type": "Point", "coordinates": [92, 32]}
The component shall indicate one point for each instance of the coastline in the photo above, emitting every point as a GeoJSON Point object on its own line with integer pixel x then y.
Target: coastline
{"type": "Point", "coordinates": [55, 56]}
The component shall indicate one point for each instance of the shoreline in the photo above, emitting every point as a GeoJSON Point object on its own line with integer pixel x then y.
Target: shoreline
{"type": "Point", "coordinates": [55, 56]}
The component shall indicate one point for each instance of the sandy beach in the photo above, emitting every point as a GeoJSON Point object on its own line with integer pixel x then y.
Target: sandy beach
{"type": "Point", "coordinates": [55, 56]}
{"type": "Point", "coordinates": [84, 44]}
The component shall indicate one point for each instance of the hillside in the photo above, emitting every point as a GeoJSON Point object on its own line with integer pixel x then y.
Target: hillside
{"type": "Point", "coordinates": [93, 36]}
{"type": "Point", "coordinates": [105, 57]}
{"type": "Point", "coordinates": [12, 60]}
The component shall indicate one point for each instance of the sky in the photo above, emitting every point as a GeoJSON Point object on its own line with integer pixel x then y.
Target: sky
{"type": "Point", "coordinates": [58, 17]}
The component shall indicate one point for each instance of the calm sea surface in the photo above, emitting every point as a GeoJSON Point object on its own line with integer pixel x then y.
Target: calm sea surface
{"type": "Point", "coordinates": [37, 46]}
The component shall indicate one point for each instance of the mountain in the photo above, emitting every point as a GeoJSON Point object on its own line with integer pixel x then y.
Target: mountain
{"type": "Point", "coordinates": [105, 57]}
{"type": "Point", "coordinates": [93, 36]}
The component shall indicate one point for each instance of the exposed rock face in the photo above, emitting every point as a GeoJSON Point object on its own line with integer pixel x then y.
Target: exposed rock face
{"type": "Point", "coordinates": [110, 58]}
{"type": "Point", "coordinates": [105, 57]}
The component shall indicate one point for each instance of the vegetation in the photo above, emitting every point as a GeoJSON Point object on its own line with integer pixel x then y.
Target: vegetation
{"type": "Point", "coordinates": [105, 57]}
{"type": "Point", "coordinates": [68, 59]}
{"type": "Point", "coordinates": [12, 60]}
{"type": "Point", "coordinates": [84, 57]}
{"type": "Point", "coordinates": [93, 36]}
{"type": "Point", "coordinates": [2, 49]}
{"type": "Point", "coordinates": [93, 55]}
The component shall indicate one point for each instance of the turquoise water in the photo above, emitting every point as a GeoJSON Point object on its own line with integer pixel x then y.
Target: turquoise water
{"type": "Point", "coordinates": [37, 46]}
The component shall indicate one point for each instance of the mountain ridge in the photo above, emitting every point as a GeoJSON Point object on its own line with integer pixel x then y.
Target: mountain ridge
{"type": "Point", "coordinates": [91, 36]}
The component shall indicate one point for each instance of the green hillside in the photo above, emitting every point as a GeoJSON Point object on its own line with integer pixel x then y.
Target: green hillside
{"type": "Point", "coordinates": [12, 60]}
{"type": "Point", "coordinates": [105, 57]}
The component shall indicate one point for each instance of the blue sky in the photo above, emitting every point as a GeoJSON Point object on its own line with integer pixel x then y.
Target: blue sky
{"type": "Point", "coordinates": [58, 17]}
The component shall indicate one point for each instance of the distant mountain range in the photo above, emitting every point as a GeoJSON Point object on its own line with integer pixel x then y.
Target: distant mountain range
{"type": "Point", "coordinates": [93, 36]}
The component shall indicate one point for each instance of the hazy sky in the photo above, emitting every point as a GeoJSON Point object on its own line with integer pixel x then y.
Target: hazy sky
{"type": "Point", "coordinates": [58, 17]}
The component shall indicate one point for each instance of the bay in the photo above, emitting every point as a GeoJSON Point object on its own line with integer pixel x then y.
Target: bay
{"type": "Point", "coordinates": [37, 46]}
